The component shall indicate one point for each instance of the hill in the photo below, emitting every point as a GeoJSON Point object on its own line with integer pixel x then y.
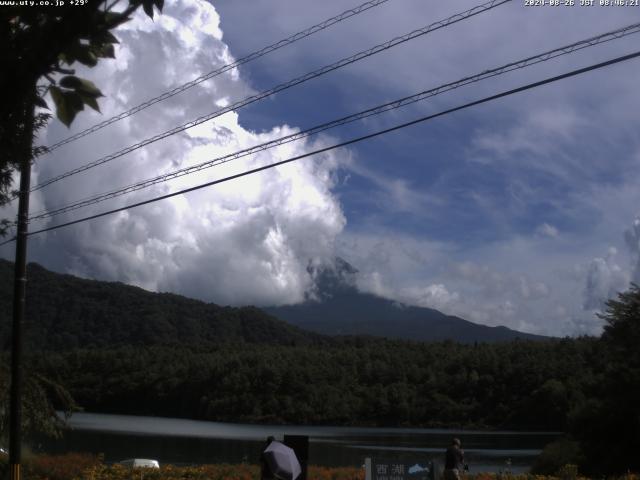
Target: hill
{"type": "Point", "coordinates": [121, 349]}
{"type": "Point", "coordinates": [65, 312]}
{"type": "Point", "coordinates": [339, 308]}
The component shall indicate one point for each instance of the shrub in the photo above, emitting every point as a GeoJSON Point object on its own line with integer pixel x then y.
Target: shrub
{"type": "Point", "coordinates": [568, 472]}
{"type": "Point", "coordinates": [60, 467]}
{"type": "Point", "coordinates": [209, 472]}
{"type": "Point", "coordinates": [556, 455]}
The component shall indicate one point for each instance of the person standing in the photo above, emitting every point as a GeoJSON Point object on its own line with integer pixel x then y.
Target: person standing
{"type": "Point", "coordinates": [453, 461]}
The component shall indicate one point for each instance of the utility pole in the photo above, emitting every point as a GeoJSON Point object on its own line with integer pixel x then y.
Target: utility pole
{"type": "Point", "coordinates": [19, 294]}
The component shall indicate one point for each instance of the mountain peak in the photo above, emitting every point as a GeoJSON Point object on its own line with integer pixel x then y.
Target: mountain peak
{"type": "Point", "coordinates": [331, 279]}
{"type": "Point", "coordinates": [335, 306]}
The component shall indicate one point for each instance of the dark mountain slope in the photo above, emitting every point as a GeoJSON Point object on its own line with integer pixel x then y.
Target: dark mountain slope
{"type": "Point", "coordinates": [65, 312]}
{"type": "Point", "coordinates": [340, 309]}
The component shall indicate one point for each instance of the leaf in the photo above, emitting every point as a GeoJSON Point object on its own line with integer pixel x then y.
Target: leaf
{"type": "Point", "coordinates": [147, 5]}
{"type": "Point", "coordinates": [66, 58]}
{"type": "Point", "coordinates": [159, 4]}
{"type": "Point", "coordinates": [109, 51]}
{"type": "Point", "coordinates": [86, 57]}
{"type": "Point", "coordinates": [91, 101]}
{"type": "Point", "coordinates": [112, 19]}
{"type": "Point", "coordinates": [74, 101]}
{"type": "Point", "coordinates": [104, 50]}
{"type": "Point", "coordinates": [81, 86]}
{"type": "Point", "coordinates": [81, 53]}
{"type": "Point", "coordinates": [41, 103]}
{"type": "Point", "coordinates": [70, 82]}
{"type": "Point", "coordinates": [106, 37]}
{"type": "Point", "coordinates": [62, 112]}
{"type": "Point", "coordinates": [68, 104]}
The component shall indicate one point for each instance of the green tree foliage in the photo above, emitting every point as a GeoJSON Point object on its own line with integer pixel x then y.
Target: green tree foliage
{"type": "Point", "coordinates": [42, 396]}
{"type": "Point", "coordinates": [556, 455]}
{"type": "Point", "coordinates": [608, 425]}
{"type": "Point", "coordinates": [67, 312]}
{"type": "Point", "coordinates": [346, 381]}
{"type": "Point", "coordinates": [39, 44]}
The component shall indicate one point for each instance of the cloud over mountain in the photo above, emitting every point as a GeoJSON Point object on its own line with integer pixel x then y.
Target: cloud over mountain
{"type": "Point", "coordinates": [504, 214]}
{"type": "Point", "coordinates": [243, 242]}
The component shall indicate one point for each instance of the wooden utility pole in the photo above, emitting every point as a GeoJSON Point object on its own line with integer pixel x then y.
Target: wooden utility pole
{"type": "Point", "coordinates": [19, 294]}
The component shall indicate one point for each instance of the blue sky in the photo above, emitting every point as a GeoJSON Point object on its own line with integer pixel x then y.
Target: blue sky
{"type": "Point", "coordinates": [519, 212]}
{"type": "Point", "coordinates": [451, 158]}
{"type": "Point", "coordinates": [517, 180]}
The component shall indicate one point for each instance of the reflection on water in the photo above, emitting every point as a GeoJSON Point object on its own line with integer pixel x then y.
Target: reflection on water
{"type": "Point", "coordinates": [191, 442]}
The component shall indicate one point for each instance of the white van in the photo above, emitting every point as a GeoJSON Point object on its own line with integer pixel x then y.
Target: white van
{"type": "Point", "coordinates": [140, 462]}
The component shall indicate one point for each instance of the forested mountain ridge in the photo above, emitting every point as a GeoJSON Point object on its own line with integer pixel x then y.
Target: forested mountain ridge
{"type": "Point", "coordinates": [65, 312]}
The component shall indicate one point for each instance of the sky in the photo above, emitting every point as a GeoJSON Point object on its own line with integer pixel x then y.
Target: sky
{"type": "Point", "coordinates": [523, 212]}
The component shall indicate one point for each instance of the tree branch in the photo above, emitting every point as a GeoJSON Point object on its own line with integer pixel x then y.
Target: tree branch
{"type": "Point", "coordinates": [66, 71]}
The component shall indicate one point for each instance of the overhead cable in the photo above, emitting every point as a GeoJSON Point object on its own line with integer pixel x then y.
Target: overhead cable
{"type": "Point", "coordinates": [283, 86]}
{"type": "Point", "coordinates": [529, 61]}
{"type": "Point", "coordinates": [529, 86]}
{"type": "Point", "coordinates": [225, 68]}
{"type": "Point", "coordinates": [8, 241]}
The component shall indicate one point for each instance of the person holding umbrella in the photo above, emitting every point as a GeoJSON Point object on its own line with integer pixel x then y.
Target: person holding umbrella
{"type": "Point", "coordinates": [265, 472]}
{"type": "Point", "coordinates": [279, 462]}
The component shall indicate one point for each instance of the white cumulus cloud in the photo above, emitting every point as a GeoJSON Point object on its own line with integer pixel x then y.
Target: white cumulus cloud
{"type": "Point", "coordinates": [242, 242]}
{"type": "Point", "coordinates": [632, 239]}
{"type": "Point", "coordinates": [547, 230]}
{"type": "Point", "coordinates": [435, 296]}
{"type": "Point", "coordinates": [604, 279]}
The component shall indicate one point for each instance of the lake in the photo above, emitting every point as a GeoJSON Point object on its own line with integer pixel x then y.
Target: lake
{"type": "Point", "coordinates": [180, 442]}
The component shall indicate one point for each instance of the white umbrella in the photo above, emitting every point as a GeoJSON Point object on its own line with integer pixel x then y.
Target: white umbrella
{"type": "Point", "coordinates": [282, 461]}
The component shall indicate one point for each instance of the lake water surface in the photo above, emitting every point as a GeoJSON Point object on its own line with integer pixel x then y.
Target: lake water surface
{"type": "Point", "coordinates": [181, 441]}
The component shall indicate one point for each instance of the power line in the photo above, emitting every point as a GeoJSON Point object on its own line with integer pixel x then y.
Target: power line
{"type": "Point", "coordinates": [350, 142]}
{"type": "Point", "coordinates": [12, 239]}
{"type": "Point", "coordinates": [254, 98]}
{"type": "Point", "coordinates": [225, 68]}
{"type": "Point", "coordinates": [532, 60]}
